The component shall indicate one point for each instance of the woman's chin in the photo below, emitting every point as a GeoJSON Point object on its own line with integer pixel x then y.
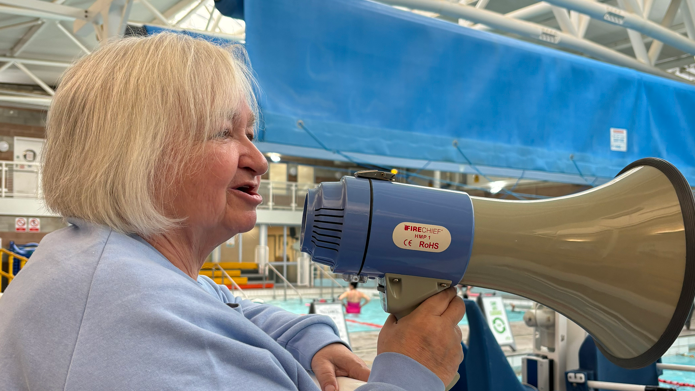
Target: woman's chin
{"type": "Point", "coordinates": [245, 221]}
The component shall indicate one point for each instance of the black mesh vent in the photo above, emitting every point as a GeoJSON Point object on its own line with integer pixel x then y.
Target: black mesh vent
{"type": "Point", "coordinates": [327, 229]}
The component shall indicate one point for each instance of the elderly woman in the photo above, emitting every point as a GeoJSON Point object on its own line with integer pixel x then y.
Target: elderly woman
{"type": "Point", "coordinates": [150, 157]}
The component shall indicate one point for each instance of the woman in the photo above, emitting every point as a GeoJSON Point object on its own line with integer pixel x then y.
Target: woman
{"type": "Point", "coordinates": [149, 156]}
{"type": "Point", "coordinates": [354, 299]}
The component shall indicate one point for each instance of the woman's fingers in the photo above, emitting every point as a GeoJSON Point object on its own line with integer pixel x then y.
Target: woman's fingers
{"type": "Point", "coordinates": [437, 304]}
{"type": "Point", "coordinates": [325, 374]}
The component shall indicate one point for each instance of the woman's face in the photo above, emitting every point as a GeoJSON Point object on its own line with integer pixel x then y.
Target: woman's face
{"type": "Point", "coordinates": [219, 200]}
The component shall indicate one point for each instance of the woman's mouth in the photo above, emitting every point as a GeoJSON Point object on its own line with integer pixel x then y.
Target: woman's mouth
{"type": "Point", "coordinates": [248, 193]}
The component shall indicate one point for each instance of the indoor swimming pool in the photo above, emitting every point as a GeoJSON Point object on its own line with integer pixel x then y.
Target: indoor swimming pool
{"type": "Point", "coordinates": [372, 315]}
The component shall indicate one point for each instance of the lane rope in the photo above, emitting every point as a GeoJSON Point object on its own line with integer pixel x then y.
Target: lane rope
{"type": "Point", "coordinates": [364, 323]}
{"type": "Point", "coordinates": [675, 383]}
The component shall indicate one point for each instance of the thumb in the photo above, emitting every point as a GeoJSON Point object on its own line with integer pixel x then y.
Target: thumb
{"type": "Point", "coordinates": [325, 374]}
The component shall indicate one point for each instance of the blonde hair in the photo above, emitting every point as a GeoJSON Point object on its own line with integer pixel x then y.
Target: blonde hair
{"type": "Point", "coordinates": [128, 119]}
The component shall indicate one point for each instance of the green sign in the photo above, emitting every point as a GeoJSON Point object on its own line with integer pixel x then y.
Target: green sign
{"type": "Point", "coordinates": [496, 317]}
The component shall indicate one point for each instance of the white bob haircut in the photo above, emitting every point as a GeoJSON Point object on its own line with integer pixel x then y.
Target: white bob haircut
{"type": "Point", "coordinates": [130, 119]}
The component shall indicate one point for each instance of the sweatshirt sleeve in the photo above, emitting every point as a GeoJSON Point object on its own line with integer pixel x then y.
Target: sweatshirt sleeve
{"type": "Point", "coordinates": [397, 372]}
{"type": "Point", "coordinates": [301, 335]}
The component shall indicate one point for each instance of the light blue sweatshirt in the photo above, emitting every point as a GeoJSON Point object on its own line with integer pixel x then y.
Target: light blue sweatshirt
{"type": "Point", "coordinates": [98, 310]}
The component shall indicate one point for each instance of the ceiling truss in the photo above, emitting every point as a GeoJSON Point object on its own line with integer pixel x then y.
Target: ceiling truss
{"type": "Point", "coordinates": [104, 18]}
{"type": "Point", "coordinates": [573, 17]}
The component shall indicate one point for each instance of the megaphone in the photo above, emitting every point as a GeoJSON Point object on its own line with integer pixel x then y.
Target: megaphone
{"type": "Point", "coordinates": [617, 259]}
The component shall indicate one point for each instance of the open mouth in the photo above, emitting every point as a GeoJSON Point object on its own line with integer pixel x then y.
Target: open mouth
{"type": "Point", "coordinates": [250, 192]}
{"type": "Point", "coordinates": [246, 189]}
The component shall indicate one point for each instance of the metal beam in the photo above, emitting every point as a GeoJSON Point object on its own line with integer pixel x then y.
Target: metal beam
{"type": "Point", "coordinates": [529, 30]}
{"type": "Point", "coordinates": [6, 65]}
{"type": "Point", "coordinates": [217, 21]}
{"type": "Point", "coordinates": [210, 18]}
{"type": "Point", "coordinates": [202, 32]}
{"type": "Point", "coordinates": [52, 8]}
{"type": "Point", "coordinates": [38, 81]}
{"type": "Point", "coordinates": [174, 10]}
{"type": "Point", "coordinates": [30, 61]}
{"type": "Point", "coordinates": [688, 11]}
{"type": "Point", "coordinates": [563, 19]}
{"type": "Point", "coordinates": [647, 9]}
{"type": "Point", "coordinates": [20, 25]}
{"type": "Point", "coordinates": [33, 13]}
{"type": "Point", "coordinates": [583, 25]}
{"type": "Point", "coordinates": [109, 18]}
{"type": "Point", "coordinates": [525, 13]}
{"type": "Point", "coordinates": [628, 20]}
{"type": "Point", "coordinates": [38, 101]}
{"type": "Point", "coordinates": [20, 93]}
{"type": "Point", "coordinates": [156, 12]}
{"type": "Point", "coordinates": [26, 39]}
{"type": "Point", "coordinates": [635, 37]}
{"type": "Point", "coordinates": [190, 13]}
{"type": "Point", "coordinates": [655, 48]}
{"type": "Point", "coordinates": [72, 38]}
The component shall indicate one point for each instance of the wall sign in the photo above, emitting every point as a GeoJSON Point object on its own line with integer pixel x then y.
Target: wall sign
{"type": "Point", "coordinates": [619, 140]}
{"type": "Point", "coordinates": [20, 224]}
{"type": "Point", "coordinates": [496, 316]}
{"type": "Point", "coordinates": [34, 224]}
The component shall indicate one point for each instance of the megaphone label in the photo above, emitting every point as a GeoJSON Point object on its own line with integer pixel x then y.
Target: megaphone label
{"type": "Point", "coordinates": [421, 237]}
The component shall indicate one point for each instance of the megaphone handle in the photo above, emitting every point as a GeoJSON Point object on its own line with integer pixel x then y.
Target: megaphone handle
{"type": "Point", "coordinates": [401, 294]}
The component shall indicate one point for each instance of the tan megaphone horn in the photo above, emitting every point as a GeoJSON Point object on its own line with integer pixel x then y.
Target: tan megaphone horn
{"type": "Point", "coordinates": [618, 259]}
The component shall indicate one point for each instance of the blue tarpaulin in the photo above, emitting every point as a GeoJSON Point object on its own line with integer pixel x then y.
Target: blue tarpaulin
{"type": "Point", "coordinates": [365, 77]}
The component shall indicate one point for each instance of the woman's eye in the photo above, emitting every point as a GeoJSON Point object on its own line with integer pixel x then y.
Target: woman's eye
{"type": "Point", "coordinates": [224, 134]}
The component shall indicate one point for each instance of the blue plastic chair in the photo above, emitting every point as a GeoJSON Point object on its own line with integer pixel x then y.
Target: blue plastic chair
{"type": "Point", "coordinates": [597, 366]}
{"type": "Point", "coordinates": [484, 367]}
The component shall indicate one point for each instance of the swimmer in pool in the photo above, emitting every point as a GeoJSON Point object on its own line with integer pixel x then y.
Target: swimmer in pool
{"type": "Point", "coordinates": [354, 299]}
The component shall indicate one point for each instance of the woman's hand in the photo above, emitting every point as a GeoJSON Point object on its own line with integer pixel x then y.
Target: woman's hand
{"type": "Point", "coordinates": [430, 335]}
{"type": "Point", "coordinates": [337, 360]}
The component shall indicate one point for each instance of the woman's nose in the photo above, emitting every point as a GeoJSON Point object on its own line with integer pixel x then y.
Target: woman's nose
{"type": "Point", "coordinates": [254, 161]}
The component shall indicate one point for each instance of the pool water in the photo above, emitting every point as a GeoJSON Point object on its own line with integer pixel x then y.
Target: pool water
{"type": "Point", "coordinates": [679, 376]}
{"type": "Point", "coordinates": [371, 313]}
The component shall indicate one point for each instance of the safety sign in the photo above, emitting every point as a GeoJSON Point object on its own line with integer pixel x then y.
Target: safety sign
{"type": "Point", "coordinates": [20, 224]}
{"type": "Point", "coordinates": [493, 308]}
{"type": "Point", "coordinates": [619, 140]}
{"type": "Point", "coordinates": [34, 224]}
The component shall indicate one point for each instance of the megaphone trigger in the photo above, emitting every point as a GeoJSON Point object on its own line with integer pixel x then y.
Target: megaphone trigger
{"type": "Point", "coordinates": [401, 294]}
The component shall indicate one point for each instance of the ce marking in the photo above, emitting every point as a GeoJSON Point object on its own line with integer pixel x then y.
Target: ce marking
{"type": "Point", "coordinates": [408, 243]}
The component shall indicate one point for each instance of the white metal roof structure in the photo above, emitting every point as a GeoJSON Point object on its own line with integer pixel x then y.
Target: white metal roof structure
{"type": "Point", "coordinates": [39, 38]}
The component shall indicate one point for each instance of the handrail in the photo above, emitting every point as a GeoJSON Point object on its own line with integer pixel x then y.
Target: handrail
{"type": "Point", "coordinates": [330, 278]}
{"type": "Point", "coordinates": [217, 265]}
{"type": "Point", "coordinates": [333, 279]}
{"type": "Point", "coordinates": [10, 260]}
{"type": "Point", "coordinates": [277, 273]}
{"type": "Point", "coordinates": [280, 195]}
